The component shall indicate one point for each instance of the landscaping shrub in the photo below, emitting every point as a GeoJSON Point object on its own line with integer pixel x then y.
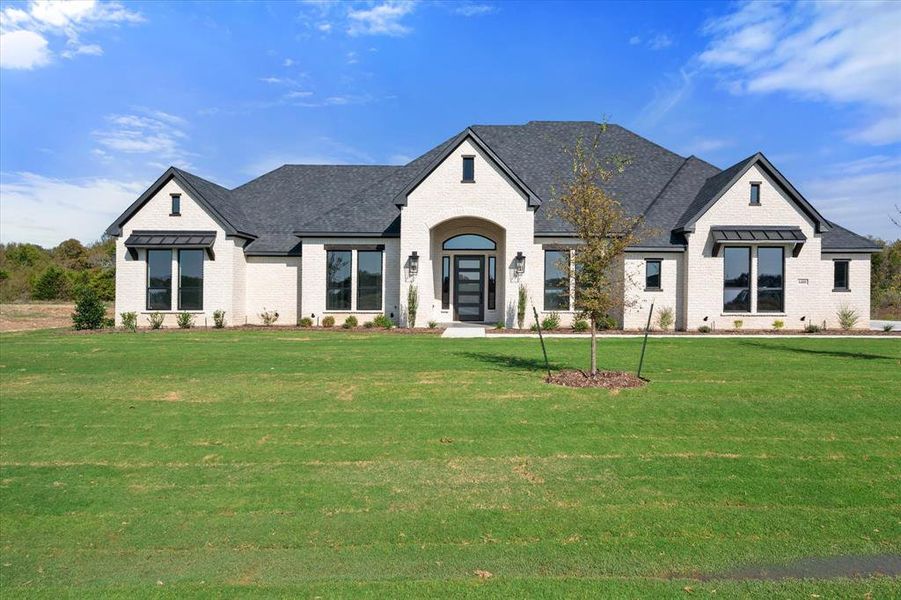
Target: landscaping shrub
{"type": "Point", "coordinates": [580, 325]}
{"type": "Point", "coordinates": [811, 328]}
{"type": "Point", "coordinates": [156, 320]}
{"type": "Point", "coordinates": [499, 325]}
{"type": "Point", "coordinates": [704, 329]}
{"type": "Point", "coordinates": [185, 320]}
{"type": "Point", "coordinates": [383, 322]}
{"type": "Point", "coordinates": [521, 300]}
{"type": "Point", "coordinates": [328, 321]}
{"type": "Point", "coordinates": [847, 317]}
{"type": "Point", "coordinates": [551, 321]}
{"type": "Point", "coordinates": [412, 305]}
{"type": "Point", "coordinates": [738, 323]}
{"type": "Point", "coordinates": [52, 284]}
{"type": "Point", "coordinates": [887, 327]}
{"type": "Point", "coordinates": [305, 322]}
{"type": "Point", "coordinates": [433, 324]}
{"type": "Point", "coordinates": [350, 322]}
{"type": "Point", "coordinates": [268, 317]}
{"type": "Point", "coordinates": [778, 324]}
{"type": "Point", "coordinates": [368, 325]}
{"type": "Point", "coordinates": [90, 312]}
{"type": "Point", "coordinates": [219, 318]}
{"type": "Point", "coordinates": [129, 321]}
{"type": "Point", "coordinates": [665, 318]}
{"type": "Point", "coordinates": [606, 322]}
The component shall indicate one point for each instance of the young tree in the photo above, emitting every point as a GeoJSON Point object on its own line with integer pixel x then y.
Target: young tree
{"type": "Point", "coordinates": [604, 229]}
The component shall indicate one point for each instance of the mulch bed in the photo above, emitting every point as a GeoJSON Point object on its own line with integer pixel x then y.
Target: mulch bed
{"type": "Point", "coordinates": [611, 380]}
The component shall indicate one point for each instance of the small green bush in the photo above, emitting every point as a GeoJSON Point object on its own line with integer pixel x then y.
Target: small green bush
{"type": "Point", "coordinates": [580, 325]}
{"type": "Point", "coordinates": [383, 322]}
{"type": "Point", "coordinates": [433, 324]}
{"type": "Point", "coordinates": [738, 323]}
{"type": "Point", "coordinates": [847, 317]}
{"type": "Point", "coordinates": [156, 320]}
{"type": "Point", "coordinates": [778, 324]}
{"type": "Point", "coordinates": [219, 319]}
{"type": "Point", "coordinates": [328, 321]}
{"type": "Point", "coordinates": [305, 322]}
{"type": "Point", "coordinates": [665, 318]}
{"type": "Point", "coordinates": [90, 312]}
{"type": "Point", "coordinates": [812, 328]}
{"type": "Point", "coordinates": [606, 322]}
{"type": "Point", "coordinates": [268, 317]}
{"type": "Point", "coordinates": [185, 320]}
{"type": "Point", "coordinates": [887, 327]}
{"type": "Point", "coordinates": [412, 305]}
{"type": "Point", "coordinates": [350, 322]}
{"type": "Point", "coordinates": [368, 325]}
{"type": "Point", "coordinates": [52, 284]}
{"type": "Point", "coordinates": [500, 325]}
{"type": "Point", "coordinates": [129, 321]}
{"type": "Point", "coordinates": [551, 321]}
{"type": "Point", "coordinates": [704, 329]}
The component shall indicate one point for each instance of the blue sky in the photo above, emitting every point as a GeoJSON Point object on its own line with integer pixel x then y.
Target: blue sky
{"type": "Point", "coordinates": [97, 99]}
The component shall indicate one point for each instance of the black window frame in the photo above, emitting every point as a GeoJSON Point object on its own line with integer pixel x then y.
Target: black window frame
{"type": "Point", "coordinates": [445, 283]}
{"type": "Point", "coordinates": [755, 193]}
{"type": "Point", "coordinates": [647, 276]}
{"type": "Point", "coordinates": [564, 294]}
{"type": "Point", "coordinates": [471, 162]}
{"type": "Point", "coordinates": [467, 247]}
{"type": "Point", "coordinates": [369, 288]}
{"type": "Point", "coordinates": [148, 280]}
{"type": "Point", "coordinates": [847, 264]}
{"type": "Point", "coordinates": [492, 282]}
{"type": "Point", "coordinates": [182, 286]}
{"type": "Point", "coordinates": [175, 206]}
{"type": "Point", "coordinates": [736, 287]}
{"type": "Point", "coordinates": [339, 286]}
{"type": "Point", "coordinates": [771, 288]}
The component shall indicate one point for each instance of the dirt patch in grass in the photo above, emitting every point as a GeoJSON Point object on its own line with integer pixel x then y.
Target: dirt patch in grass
{"type": "Point", "coordinates": [25, 317]}
{"type": "Point", "coordinates": [849, 565]}
{"type": "Point", "coordinates": [611, 380]}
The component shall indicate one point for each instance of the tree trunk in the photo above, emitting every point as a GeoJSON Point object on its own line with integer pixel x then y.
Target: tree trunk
{"type": "Point", "coordinates": [594, 348]}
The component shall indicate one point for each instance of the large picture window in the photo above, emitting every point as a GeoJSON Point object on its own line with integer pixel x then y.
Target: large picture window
{"type": "Point", "coordinates": [770, 279]}
{"type": "Point", "coordinates": [190, 279]}
{"type": "Point", "coordinates": [338, 277]}
{"type": "Point", "coordinates": [159, 280]}
{"type": "Point", "coordinates": [556, 280]}
{"type": "Point", "coordinates": [737, 279]}
{"type": "Point", "coordinates": [369, 280]}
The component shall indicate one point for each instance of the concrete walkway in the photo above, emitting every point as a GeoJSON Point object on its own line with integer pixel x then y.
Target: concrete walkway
{"type": "Point", "coordinates": [464, 330]}
{"type": "Point", "coordinates": [879, 325]}
{"type": "Point", "coordinates": [713, 336]}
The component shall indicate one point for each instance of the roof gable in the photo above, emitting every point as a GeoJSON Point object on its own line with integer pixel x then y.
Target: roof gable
{"type": "Point", "coordinates": [714, 188]}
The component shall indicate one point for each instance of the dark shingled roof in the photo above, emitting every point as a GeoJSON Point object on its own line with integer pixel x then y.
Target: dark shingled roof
{"type": "Point", "coordinates": [295, 200]}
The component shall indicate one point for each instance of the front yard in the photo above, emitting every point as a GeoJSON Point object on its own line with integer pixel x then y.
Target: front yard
{"type": "Point", "coordinates": [307, 463]}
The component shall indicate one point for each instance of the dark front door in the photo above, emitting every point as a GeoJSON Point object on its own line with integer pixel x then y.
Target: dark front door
{"type": "Point", "coordinates": [469, 288]}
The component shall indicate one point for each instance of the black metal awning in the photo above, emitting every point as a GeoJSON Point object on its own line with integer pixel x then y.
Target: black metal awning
{"type": "Point", "coordinates": [730, 235]}
{"type": "Point", "coordinates": [171, 239]}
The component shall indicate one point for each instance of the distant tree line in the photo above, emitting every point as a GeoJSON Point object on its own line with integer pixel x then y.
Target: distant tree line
{"type": "Point", "coordinates": [885, 281]}
{"type": "Point", "coordinates": [30, 272]}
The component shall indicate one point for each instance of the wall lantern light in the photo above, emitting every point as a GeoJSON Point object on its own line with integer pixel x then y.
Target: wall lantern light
{"type": "Point", "coordinates": [520, 263]}
{"type": "Point", "coordinates": [414, 263]}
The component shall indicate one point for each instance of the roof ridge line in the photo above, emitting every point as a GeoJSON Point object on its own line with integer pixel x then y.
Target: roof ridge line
{"type": "Point", "coordinates": [665, 186]}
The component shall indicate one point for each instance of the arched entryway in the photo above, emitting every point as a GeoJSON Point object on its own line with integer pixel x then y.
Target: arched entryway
{"type": "Point", "coordinates": [467, 256]}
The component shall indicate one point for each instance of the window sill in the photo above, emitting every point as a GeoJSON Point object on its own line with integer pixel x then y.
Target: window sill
{"type": "Point", "coordinates": [467, 181]}
{"type": "Point", "coordinates": [172, 312]}
{"type": "Point", "coordinates": [755, 314]}
{"type": "Point", "coordinates": [174, 214]}
{"type": "Point", "coordinates": [840, 290]}
{"type": "Point", "coordinates": [356, 312]}
{"type": "Point", "coordinates": [647, 289]}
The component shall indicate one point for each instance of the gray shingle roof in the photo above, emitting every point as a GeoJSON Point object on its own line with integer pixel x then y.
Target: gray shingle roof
{"type": "Point", "coordinates": [839, 238]}
{"type": "Point", "coordinates": [668, 189]}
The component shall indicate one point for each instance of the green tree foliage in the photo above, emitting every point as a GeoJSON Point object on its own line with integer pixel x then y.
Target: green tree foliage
{"type": "Point", "coordinates": [90, 311]}
{"type": "Point", "coordinates": [885, 280]}
{"type": "Point", "coordinates": [27, 273]}
{"type": "Point", "coordinates": [51, 284]}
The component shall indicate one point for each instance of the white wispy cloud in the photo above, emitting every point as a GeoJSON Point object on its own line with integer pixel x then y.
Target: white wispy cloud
{"type": "Point", "coordinates": [700, 146]}
{"type": "Point", "coordinates": [155, 133]}
{"type": "Point", "coordinates": [859, 194]}
{"type": "Point", "coordinates": [666, 96]}
{"type": "Point", "coordinates": [634, 40]}
{"type": "Point", "coordinates": [46, 211]}
{"type": "Point", "coordinates": [837, 52]}
{"type": "Point", "coordinates": [660, 41]}
{"type": "Point", "coordinates": [473, 9]}
{"type": "Point", "coordinates": [25, 34]}
{"type": "Point", "coordinates": [321, 150]}
{"type": "Point", "coordinates": [382, 19]}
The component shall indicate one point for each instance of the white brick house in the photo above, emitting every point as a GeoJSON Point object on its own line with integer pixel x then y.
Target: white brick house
{"type": "Point", "coordinates": [470, 221]}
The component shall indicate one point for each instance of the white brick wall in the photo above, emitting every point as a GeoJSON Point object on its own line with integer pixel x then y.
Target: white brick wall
{"type": "Point", "coordinates": [638, 299]}
{"type": "Point", "coordinates": [131, 274]}
{"type": "Point", "coordinates": [274, 285]}
{"type": "Point", "coordinates": [813, 299]}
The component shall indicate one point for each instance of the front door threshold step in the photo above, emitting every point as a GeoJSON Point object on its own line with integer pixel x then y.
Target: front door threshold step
{"type": "Point", "coordinates": [456, 330]}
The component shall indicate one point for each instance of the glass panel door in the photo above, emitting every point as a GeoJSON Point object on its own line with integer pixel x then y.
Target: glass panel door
{"type": "Point", "coordinates": [469, 288]}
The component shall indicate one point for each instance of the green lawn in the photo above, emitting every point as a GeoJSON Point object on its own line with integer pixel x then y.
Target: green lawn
{"type": "Point", "coordinates": [335, 464]}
